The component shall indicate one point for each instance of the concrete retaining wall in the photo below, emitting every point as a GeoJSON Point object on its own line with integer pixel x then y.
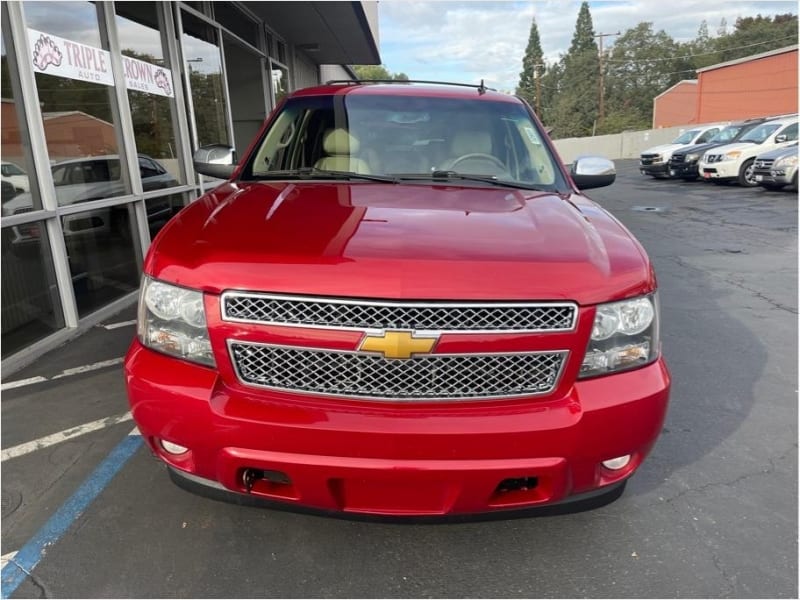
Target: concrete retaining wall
{"type": "Point", "coordinates": [628, 144]}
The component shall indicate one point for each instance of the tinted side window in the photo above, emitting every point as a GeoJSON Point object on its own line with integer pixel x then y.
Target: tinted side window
{"type": "Point", "coordinates": [790, 132]}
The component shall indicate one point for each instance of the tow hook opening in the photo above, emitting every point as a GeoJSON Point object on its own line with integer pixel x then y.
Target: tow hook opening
{"type": "Point", "coordinates": [522, 484]}
{"type": "Point", "coordinates": [266, 482]}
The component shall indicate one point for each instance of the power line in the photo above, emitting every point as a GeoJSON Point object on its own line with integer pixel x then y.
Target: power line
{"type": "Point", "coordinates": [628, 60]}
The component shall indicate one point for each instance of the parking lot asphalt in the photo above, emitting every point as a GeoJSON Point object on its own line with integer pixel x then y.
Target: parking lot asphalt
{"type": "Point", "coordinates": [712, 512]}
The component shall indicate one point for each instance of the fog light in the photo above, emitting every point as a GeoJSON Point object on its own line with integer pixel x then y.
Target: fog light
{"type": "Point", "coordinates": [617, 463]}
{"type": "Point", "coordinates": [173, 448]}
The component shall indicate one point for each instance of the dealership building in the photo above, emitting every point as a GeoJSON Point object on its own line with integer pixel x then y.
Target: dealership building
{"type": "Point", "coordinates": [103, 104]}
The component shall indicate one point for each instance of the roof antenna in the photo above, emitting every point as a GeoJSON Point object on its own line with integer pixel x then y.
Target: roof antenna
{"type": "Point", "coordinates": [482, 88]}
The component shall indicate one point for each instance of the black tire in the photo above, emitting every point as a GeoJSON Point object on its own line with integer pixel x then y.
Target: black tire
{"type": "Point", "coordinates": [746, 178]}
{"type": "Point", "coordinates": [794, 183]}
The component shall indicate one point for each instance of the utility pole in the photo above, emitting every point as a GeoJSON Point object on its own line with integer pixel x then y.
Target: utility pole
{"type": "Point", "coordinates": [537, 77]}
{"type": "Point", "coordinates": [602, 108]}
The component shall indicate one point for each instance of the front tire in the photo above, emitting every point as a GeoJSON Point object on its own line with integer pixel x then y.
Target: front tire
{"type": "Point", "coordinates": [746, 177]}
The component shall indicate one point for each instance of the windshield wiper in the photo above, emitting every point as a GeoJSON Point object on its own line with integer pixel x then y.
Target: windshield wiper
{"type": "Point", "coordinates": [456, 176]}
{"type": "Point", "coordinates": [314, 173]}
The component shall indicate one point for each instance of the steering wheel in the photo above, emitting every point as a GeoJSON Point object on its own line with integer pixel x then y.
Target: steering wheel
{"type": "Point", "coordinates": [480, 156]}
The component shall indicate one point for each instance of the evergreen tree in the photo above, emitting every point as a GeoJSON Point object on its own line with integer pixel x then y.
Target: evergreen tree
{"type": "Point", "coordinates": [575, 110]}
{"type": "Point", "coordinates": [532, 67]}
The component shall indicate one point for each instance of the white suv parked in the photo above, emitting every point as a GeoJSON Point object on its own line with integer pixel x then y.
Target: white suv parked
{"type": "Point", "coordinates": [655, 161]}
{"type": "Point", "coordinates": [735, 161]}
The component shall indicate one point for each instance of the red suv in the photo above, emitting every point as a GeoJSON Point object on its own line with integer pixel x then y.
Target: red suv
{"type": "Point", "coordinates": [400, 303]}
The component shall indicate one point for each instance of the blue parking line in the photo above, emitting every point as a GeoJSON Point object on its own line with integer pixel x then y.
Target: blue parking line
{"type": "Point", "coordinates": [18, 568]}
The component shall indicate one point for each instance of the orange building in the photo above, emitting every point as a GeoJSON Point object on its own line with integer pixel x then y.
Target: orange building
{"type": "Point", "coordinates": [755, 86]}
{"type": "Point", "coordinates": [677, 105]}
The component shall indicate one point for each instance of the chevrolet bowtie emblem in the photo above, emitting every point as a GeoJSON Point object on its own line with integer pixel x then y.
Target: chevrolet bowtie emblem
{"type": "Point", "coordinates": [398, 344]}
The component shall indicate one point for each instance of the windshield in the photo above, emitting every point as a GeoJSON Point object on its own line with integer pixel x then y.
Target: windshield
{"type": "Point", "coordinates": [10, 169]}
{"type": "Point", "coordinates": [408, 138]}
{"type": "Point", "coordinates": [727, 134]}
{"type": "Point", "coordinates": [686, 137]}
{"type": "Point", "coordinates": [760, 133]}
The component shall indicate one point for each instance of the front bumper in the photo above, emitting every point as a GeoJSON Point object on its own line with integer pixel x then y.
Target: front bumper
{"type": "Point", "coordinates": [725, 170]}
{"type": "Point", "coordinates": [683, 169]}
{"type": "Point", "coordinates": [426, 459]}
{"type": "Point", "coordinates": [774, 177]}
{"type": "Point", "coordinates": [654, 168]}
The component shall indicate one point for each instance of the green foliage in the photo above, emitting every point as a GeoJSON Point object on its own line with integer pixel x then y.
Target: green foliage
{"type": "Point", "coordinates": [377, 72]}
{"type": "Point", "coordinates": [531, 62]}
{"type": "Point", "coordinates": [574, 107]}
{"type": "Point", "coordinates": [640, 64]}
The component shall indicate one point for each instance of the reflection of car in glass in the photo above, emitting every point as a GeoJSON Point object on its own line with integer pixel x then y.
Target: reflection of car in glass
{"type": "Point", "coordinates": [655, 161]}
{"type": "Point", "coordinates": [734, 162]}
{"type": "Point", "coordinates": [95, 178]}
{"type": "Point", "coordinates": [13, 174]}
{"type": "Point", "coordinates": [400, 303]}
{"type": "Point", "coordinates": [683, 163]}
{"type": "Point", "coordinates": [777, 169]}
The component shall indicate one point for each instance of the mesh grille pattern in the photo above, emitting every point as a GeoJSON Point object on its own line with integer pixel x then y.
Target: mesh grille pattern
{"type": "Point", "coordinates": [329, 313]}
{"type": "Point", "coordinates": [764, 163]}
{"type": "Point", "coordinates": [449, 377]}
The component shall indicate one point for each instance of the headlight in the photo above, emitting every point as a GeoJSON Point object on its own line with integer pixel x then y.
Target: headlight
{"type": "Point", "coordinates": [786, 161]}
{"type": "Point", "coordinates": [732, 155]}
{"type": "Point", "coordinates": [172, 320]}
{"type": "Point", "coordinates": [692, 157]}
{"type": "Point", "coordinates": [624, 336]}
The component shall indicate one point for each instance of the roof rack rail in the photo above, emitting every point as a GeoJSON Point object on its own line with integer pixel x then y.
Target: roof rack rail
{"type": "Point", "coordinates": [482, 89]}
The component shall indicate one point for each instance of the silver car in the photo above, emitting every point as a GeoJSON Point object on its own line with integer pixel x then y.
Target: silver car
{"type": "Point", "coordinates": [777, 168]}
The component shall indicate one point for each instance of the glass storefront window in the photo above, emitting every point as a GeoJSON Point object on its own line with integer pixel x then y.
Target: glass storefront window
{"type": "Point", "coordinates": [153, 106]}
{"type": "Point", "coordinates": [101, 254]}
{"type": "Point", "coordinates": [280, 81]}
{"type": "Point", "coordinates": [31, 307]}
{"type": "Point", "coordinates": [200, 43]}
{"type": "Point", "coordinates": [77, 111]}
{"type": "Point", "coordinates": [16, 172]}
{"type": "Point", "coordinates": [237, 22]}
{"type": "Point", "coordinates": [162, 209]}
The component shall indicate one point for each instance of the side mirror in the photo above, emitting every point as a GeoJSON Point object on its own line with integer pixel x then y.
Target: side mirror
{"type": "Point", "coordinates": [779, 139]}
{"type": "Point", "coordinates": [216, 160]}
{"type": "Point", "coordinates": [592, 172]}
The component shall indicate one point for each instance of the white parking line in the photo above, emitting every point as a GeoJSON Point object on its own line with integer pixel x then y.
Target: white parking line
{"type": "Point", "coordinates": [118, 325]}
{"type": "Point", "coordinates": [62, 436]}
{"type": "Point", "coordinates": [10, 385]}
{"type": "Point", "coordinates": [7, 557]}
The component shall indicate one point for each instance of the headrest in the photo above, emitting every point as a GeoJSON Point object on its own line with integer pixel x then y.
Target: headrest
{"type": "Point", "coordinates": [471, 142]}
{"type": "Point", "coordinates": [339, 141]}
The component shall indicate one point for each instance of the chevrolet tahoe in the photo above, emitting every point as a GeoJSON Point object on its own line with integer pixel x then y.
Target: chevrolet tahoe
{"type": "Point", "coordinates": [399, 303]}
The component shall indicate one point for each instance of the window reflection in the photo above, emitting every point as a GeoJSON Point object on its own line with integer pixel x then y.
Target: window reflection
{"type": "Point", "coordinates": [102, 259]}
{"type": "Point", "coordinates": [77, 114]}
{"type": "Point", "coordinates": [153, 114]}
{"type": "Point", "coordinates": [16, 173]}
{"type": "Point", "coordinates": [31, 307]}
{"type": "Point", "coordinates": [162, 209]}
{"type": "Point", "coordinates": [201, 49]}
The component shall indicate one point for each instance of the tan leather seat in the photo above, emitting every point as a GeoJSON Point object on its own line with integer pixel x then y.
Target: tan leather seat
{"type": "Point", "coordinates": [341, 148]}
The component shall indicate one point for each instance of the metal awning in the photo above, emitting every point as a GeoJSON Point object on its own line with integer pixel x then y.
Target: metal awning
{"type": "Point", "coordinates": [328, 32]}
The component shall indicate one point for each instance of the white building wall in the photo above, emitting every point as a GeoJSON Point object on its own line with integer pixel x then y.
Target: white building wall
{"type": "Point", "coordinates": [306, 73]}
{"type": "Point", "coordinates": [333, 73]}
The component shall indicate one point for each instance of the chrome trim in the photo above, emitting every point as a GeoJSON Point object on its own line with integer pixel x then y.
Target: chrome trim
{"type": "Point", "coordinates": [564, 354]}
{"type": "Point", "coordinates": [397, 304]}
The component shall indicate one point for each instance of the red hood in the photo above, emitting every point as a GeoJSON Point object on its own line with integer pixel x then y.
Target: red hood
{"type": "Point", "coordinates": [400, 242]}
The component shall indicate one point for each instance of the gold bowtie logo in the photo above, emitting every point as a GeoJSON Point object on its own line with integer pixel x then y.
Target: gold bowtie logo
{"type": "Point", "coordinates": [398, 344]}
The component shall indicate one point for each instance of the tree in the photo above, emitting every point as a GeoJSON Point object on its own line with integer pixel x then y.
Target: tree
{"type": "Point", "coordinates": [378, 72]}
{"type": "Point", "coordinates": [753, 35]}
{"type": "Point", "coordinates": [641, 64]}
{"type": "Point", "coordinates": [531, 69]}
{"type": "Point", "coordinates": [575, 111]}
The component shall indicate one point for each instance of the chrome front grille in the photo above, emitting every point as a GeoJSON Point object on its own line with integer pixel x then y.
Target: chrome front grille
{"type": "Point", "coordinates": [427, 377]}
{"type": "Point", "coordinates": [339, 313]}
{"type": "Point", "coordinates": [764, 163]}
{"type": "Point", "coordinates": [678, 158]}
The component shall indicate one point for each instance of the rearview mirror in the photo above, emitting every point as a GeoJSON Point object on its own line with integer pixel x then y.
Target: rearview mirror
{"type": "Point", "coordinates": [592, 172]}
{"type": "Point", "coordinates": [781, 138]}
{"type": "Point", "coordinates": [215, 160]}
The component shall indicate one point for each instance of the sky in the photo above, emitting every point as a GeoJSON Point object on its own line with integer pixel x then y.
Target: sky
{"type": "Point", "coordinates": [466, 41]}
